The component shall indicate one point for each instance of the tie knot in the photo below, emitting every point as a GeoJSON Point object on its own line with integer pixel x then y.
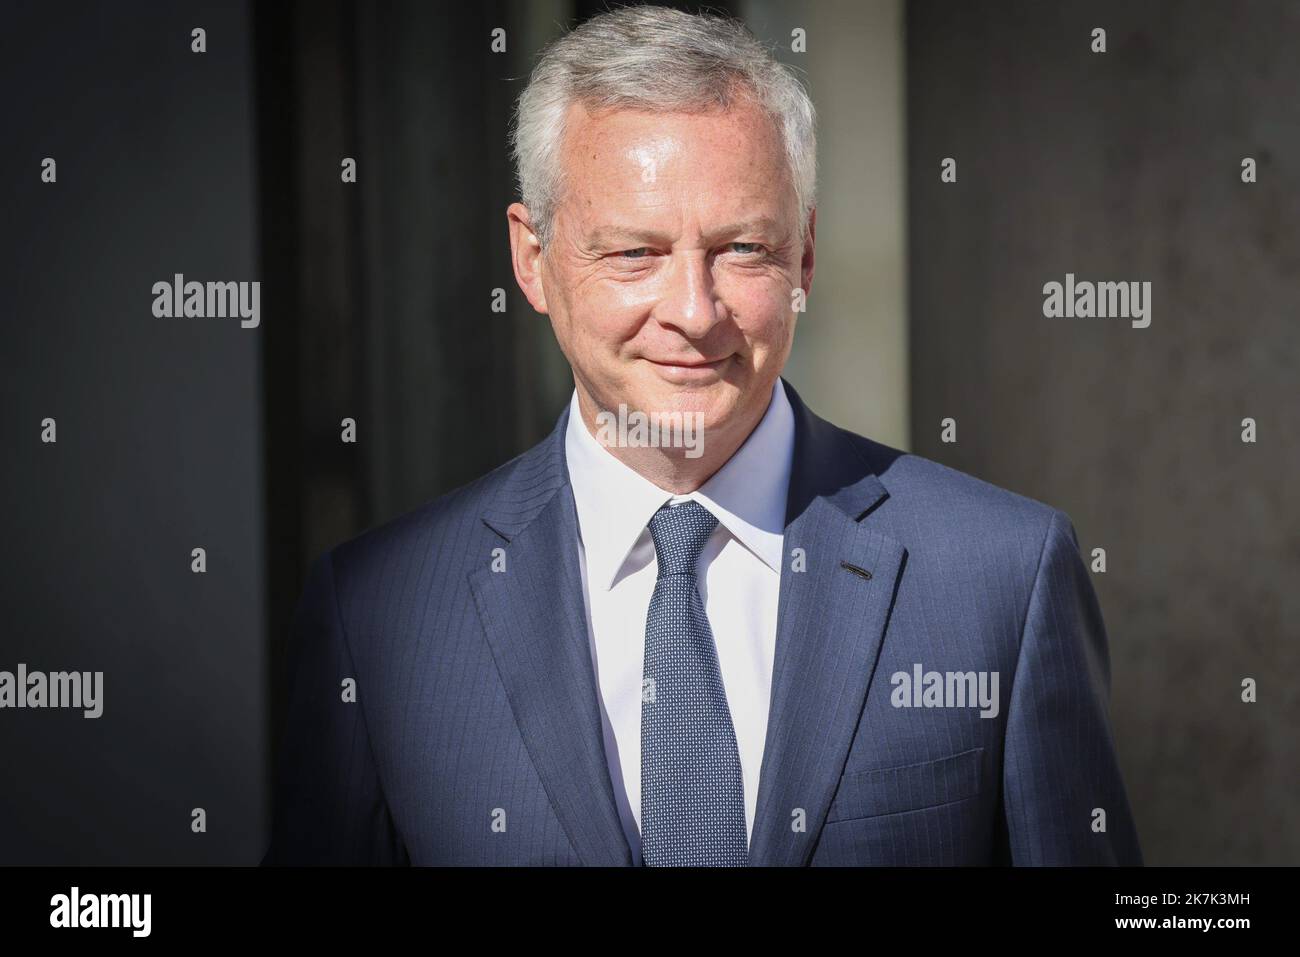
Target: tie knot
{"type": "Point", "coordinates": [679, 533]}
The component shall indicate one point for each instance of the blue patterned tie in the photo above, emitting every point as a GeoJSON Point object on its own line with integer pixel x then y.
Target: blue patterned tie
{"type": "Point", "coordinates": [692, 791]}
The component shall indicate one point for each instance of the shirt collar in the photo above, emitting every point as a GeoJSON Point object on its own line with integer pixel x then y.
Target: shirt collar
{"type": "Point", "coordinates": [747, 495]}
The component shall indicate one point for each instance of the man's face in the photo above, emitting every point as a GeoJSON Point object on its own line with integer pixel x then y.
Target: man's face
{"type": "Point", "coordinates": [676, 247]}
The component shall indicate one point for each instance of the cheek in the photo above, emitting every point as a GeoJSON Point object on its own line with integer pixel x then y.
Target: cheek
{"type": "Point", "coordinates": [612, 312]}
{"type": "Point", "coordinates": [597, 312]}
{"type": "Point", "coordinates": [762, 309]}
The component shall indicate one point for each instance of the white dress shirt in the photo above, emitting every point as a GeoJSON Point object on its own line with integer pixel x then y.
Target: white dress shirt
{"type": "Point", "coordinates": [739, 574]}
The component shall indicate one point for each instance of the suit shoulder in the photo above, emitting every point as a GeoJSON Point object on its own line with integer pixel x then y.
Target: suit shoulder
{"type": "Point", "coordinates": [453, 517]}
{"type": "Point", "coordinates": [931, 491]}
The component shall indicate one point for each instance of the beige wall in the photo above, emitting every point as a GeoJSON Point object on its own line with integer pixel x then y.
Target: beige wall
{"type": "Point", "coordinates": [850, 355]}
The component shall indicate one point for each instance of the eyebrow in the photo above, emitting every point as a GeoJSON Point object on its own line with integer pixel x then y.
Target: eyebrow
{"type": "Point", "coordinates": [617, 235]}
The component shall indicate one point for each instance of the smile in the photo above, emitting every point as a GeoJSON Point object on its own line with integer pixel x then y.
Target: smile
{"type": "Point", "coordinates": [688, 370]}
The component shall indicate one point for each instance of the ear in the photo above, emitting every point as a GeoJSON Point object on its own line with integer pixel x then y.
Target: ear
{"type": "Point", "coordinates": [526, 256]}
{"type": "Point", "coordinates": [806, 263]}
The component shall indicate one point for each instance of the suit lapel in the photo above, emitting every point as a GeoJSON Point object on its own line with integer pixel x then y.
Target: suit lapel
{"type": "Point", "coordinates": [535, 621]}
{"type": "Point", "coordinates": [831, 620]}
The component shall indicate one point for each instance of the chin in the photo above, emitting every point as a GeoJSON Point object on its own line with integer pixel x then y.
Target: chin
{"type": "Point", "coordinates": [714, 409]}
{"type": "Point", "coordinates": [713, 398]}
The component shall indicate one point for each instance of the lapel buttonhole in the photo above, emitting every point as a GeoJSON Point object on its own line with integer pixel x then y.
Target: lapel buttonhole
{"type": "Point", "coordinates": [860, 572]}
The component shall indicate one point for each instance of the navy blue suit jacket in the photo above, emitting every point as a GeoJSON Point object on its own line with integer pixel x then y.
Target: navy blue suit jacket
{"type": "Point", "coordinates": [475, 735]}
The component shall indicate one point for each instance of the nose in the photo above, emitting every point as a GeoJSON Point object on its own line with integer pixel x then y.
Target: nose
{"type": "Point", "coordinates": [688, 302]}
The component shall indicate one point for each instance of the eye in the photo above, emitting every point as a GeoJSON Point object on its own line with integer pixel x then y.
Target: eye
{"type": "Point", "coordinates": [746, 249]}
{"type": "Point", "coordinates": [638, 253]}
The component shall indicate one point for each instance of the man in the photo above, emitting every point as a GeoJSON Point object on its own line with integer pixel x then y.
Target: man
{"type": "Point", "coordinates": [744, 636]}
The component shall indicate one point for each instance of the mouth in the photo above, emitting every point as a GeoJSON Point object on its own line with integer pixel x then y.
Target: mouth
{"type": "Point", "coordinates": [689, 372]}
{"type": "Point", "coordinates": [689, 363]}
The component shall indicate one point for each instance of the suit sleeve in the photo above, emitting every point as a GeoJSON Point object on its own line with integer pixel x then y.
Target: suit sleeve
{"type": "Point", "coordinates": [1060, 772]}
{"type": "Point", "coordinates": [328, 805]}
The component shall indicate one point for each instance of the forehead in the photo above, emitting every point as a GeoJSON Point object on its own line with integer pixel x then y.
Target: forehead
{"type": "Point", "coordinates": [639, 162]}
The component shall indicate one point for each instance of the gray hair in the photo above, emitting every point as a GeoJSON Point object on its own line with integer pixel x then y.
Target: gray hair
{"type": "Point", "coordinates": [658, 59]}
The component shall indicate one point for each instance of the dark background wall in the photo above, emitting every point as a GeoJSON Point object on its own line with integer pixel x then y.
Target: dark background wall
{"type": "Point", "coordinates": [1126, 166]}
{"type": "Point", "coordinates": [159, 436]}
